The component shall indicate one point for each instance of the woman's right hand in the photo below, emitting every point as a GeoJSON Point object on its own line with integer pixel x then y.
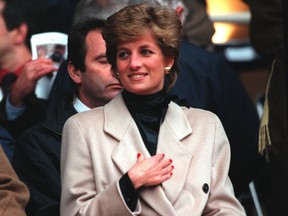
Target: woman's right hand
{"type": "Point", "coordinates": [150, 171]}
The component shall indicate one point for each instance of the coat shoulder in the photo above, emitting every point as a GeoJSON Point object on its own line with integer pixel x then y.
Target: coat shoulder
{"type": "Point", "coordinates": [199, 113]}
{"type": "Point", "coordinates": [200, 116]}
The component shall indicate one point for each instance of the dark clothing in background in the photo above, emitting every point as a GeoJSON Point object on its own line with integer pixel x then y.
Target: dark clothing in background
{"type": "Point", "coordinates": [37, 152]}
{"type": "Point", "coordinates": [35, 110]}
{"type": "Point", "coordinates": [266, 27]}
{"type": "Point", "coordinates": [7, 143]}
{"type": "Point", "coordinates": [274, 189]}
{"type": "Point", "coordinates": [278, 152]}
{"type": "Point", "coordinates": [51, 16]}
{"type": "Point", "coordinates": [198, 27]}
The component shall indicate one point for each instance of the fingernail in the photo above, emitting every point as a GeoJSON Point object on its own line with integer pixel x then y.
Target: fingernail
{"type": "Point", "coordinates": [170, 160]}
{"type": "Point", "coordinates": [171, 173]}
{"type": "Point", "coordinates": [172, 167]}
{"type": "Point", "coordinates": [138, 155]}
{"type": "Point", "coordinates": [163, 154]}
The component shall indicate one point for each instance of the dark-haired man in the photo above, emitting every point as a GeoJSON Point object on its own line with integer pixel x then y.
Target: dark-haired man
{"type": "Point", "coordinates": [19, 109]}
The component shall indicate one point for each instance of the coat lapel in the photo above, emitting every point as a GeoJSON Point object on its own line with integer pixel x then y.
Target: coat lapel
{"type": "Point", "coordinates": [173, 130]}
{"type": "Point", "coordinates": [120, 125]}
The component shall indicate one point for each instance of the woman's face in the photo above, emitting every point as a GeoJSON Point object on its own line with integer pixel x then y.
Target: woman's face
{"type": "Point", "coordinates": [140, 64]}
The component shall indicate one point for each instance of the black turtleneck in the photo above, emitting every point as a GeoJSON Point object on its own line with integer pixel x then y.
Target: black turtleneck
{"type": "Point", "coordinates": [148, 111]}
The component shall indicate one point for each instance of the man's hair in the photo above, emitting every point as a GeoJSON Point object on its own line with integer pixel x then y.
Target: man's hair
{"type": "Point", "coordinates": [97, 9]}
{"type": "Point", "coordinates": [103, 9]}
{"type": "Point", "coordinates": [14, 13]}
{"type": "Point", "coordinates": [169, 3]}
{"type": "Point", "coordinates": [77, 40]}
{"type": "Point", "coordinates": [17, 12]}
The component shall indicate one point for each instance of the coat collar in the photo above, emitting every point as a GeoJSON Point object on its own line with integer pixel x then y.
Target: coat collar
{"type": "Point", "coordinates": [120, 125]}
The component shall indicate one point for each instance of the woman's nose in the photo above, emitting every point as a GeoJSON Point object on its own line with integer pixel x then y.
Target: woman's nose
{"type": "Point", "coordinates": [135, 61]}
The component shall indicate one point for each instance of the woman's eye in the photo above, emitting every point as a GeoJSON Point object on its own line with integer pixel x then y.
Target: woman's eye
{"type": "Point", "coordinates": [123, 55]}
{"type": "Point", "coordinates": [146, 52]}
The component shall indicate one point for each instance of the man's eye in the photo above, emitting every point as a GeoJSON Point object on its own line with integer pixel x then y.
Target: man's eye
{"type": "Point", "coordinates": [103, 62]}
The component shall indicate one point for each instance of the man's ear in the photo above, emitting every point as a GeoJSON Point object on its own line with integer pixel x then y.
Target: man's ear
{"type": "Point", "coordinates": [20, 34]}
{"type": "Point", "coordinates": [180, 12]}
{"type": "Point", "coordinates": [74, 73]}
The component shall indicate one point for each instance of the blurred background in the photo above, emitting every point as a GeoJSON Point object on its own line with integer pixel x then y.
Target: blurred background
{"type": "Point", "coordinates": [231, 38]}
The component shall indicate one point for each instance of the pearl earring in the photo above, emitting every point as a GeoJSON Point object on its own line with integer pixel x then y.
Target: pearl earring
{"type": "Point", "coordinates": [167, 70]}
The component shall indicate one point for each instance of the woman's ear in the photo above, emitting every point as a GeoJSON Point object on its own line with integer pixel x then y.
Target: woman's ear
{"type": "Point", "coordinates": [169, 61]}
{"type": "Point", "coordinates": [74, 73]}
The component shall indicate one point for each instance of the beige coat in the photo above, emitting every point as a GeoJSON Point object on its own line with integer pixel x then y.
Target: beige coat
{"type": "Point", "coordinates": [14, 195]}
{"type": "Point", "coordinates": [100, 145]}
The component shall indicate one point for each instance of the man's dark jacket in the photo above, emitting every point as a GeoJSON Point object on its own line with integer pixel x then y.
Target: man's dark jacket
{"type": "Point", "coordinates": [34, 113]}
{"type": "Point", "coordinates": [36, 157]}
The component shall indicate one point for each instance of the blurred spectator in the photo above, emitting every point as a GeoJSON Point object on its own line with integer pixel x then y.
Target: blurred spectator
{"type": "Point", "coordinates": [19, 109]}
{"type": "Point", "coordinates": [198, 28]}
{"type": "Point", "coordinates": [97, 8]}
{"type": "Point", "coordinates": [58, 15]}
{"type": "Point", "coordinates": [266, 28]}
{"type": "Point", "coordinates": [267, 34]}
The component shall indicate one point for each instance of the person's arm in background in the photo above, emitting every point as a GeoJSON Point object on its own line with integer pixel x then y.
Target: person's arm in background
{"type": "Point", "coordinates": [14, 194]}
{"type": "Point", "coordinates": [23, 108]}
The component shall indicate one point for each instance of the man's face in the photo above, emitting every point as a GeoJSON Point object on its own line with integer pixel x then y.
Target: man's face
{"type": "Point", "coordinates": [4, 33]}
{"type": "Point", "coordinates": [98, 83]}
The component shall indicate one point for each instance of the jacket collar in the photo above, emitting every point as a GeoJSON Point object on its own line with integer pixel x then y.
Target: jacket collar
{"type": "Point", "coordinates": [120, 125]}
{"type": "Point", "coordinates": [58, 112]}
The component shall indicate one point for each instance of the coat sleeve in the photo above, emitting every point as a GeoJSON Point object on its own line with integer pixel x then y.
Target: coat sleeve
{"type": "Point", "coordinates": [79, 193]}
{"type": "Point", "coordinates": [222, 200]}
{"type": "Point", "coordinates": [14, 194]}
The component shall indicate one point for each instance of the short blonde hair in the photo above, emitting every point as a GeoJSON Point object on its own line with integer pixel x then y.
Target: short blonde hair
{"type": "Point", "coordinates": [135, 20]}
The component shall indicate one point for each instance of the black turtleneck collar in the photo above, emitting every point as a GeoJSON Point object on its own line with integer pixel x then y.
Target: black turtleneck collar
{"type": "Point", "coordinates": [148, 111]}
{"type": "Point", "coordinates": [146, 103]}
